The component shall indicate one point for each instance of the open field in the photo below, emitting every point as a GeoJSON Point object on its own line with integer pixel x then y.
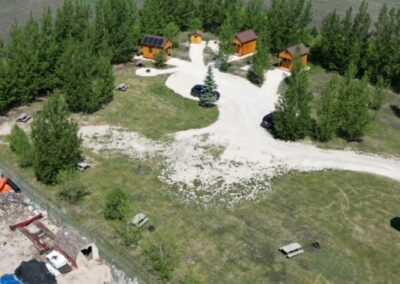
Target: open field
{"type": "Point", "coordinates": [347, 213]}
{"type": "Point", "coordinates": [382, 136]}
{"type": "Point", "coordinates": [150, 108]}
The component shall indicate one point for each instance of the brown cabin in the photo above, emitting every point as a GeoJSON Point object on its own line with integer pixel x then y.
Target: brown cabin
{"type": "Point", "coordinates": [286, 57]}
{"type": "Point", "coordinates": [245, 42]}
{"type": "Point", "coordinates": [152, 45]}
{"type": "Point", "coordinates": [196, 37]}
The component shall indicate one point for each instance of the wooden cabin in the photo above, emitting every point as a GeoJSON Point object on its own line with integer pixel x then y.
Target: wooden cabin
{"type": "Point", "coordinates": [152, 45]}
{"type": "Point", "coordinates": [245, 42]}
{"type": "Point", "coordinates": [196, 37]}
{"type": "Point", "coordinates": [286, 57]}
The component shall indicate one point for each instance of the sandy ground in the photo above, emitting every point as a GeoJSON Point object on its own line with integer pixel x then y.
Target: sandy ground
{"type": "Point", "coordinates": [233, 159]}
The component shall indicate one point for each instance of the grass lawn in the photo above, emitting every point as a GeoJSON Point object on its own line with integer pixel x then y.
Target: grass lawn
{"type": "Point", "coordinates": [348, 213]}
{"type": "Point", "coordinates": [152, 109]}
{"type": "Point", "coordinates": [383, 134]}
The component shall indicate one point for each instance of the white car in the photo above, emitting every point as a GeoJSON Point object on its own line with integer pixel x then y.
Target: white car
{"type": "Point", "coordinates": [122, 87]}
{"type": "Point", "coordinates": [23, 118]}
{"type": "Point", "coordinates": [83, 166]}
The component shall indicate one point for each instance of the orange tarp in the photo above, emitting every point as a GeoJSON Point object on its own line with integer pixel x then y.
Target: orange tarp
{"type": "Point", "coordinates": [4, 187]}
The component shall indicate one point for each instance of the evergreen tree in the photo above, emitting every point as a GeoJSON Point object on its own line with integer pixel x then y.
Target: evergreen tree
{"type": "Point", "coordinates": [293, 110]}
{"type": "Point", "coordinates": [172, 31]}
{"type": "Point", "coordinates": [196, 24]}
{"type": "Point", "coordinates": [117, 205]}
{"type": "Point", "coordinates": [327, 112]}
{"type": "Point", "coordinates": [103, 83]}
{"type": "Point", "coordinates": [379, 96]}
{"type": "Point", "coordinates": [208, 94]}
{"type": "Point", "coordinates": [159, 61]}
{"type": "Point", "coordinates": [353, 110]}
{"type": "Point", "coordinates": [20, 144]}
{"type": "Point", "coordinates": [287, 22]}
{"type": "Point", "coordinates": [226, 47]}
{"type": "Point", "coordinates": [260, 60]}
{"type": "Point", "coordinates": [56, 143]}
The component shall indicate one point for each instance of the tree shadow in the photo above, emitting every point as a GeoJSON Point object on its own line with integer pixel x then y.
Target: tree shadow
{"type": "Point", "coordinates": [396, 110]}
{"type": "Point", "coordinates": [395, 223]}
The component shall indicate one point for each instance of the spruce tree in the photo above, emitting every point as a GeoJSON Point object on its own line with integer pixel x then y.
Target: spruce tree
{"type": "Point", "coordinates": [226, 48]}
{"type": "Point", "coordinates": [56, 143]}
{"type": "Point", "coordinates": [260, 60]}
{"type": "Point", "coordinates": [378, 98]}
{"type": "Point", "coordinates": [327, 112]}
{"type": "Point", "coordinates": [171, 31]}
{"type": "Point", "coordinates": [208, 96]}
{"type": "Point", "coordinates": [20, 144]}
{"type": "Point", "coordinates": [292, 118]}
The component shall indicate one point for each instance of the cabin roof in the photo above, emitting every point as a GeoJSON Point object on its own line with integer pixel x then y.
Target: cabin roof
{"type": "Point", "coordinates": [71, 242]}
{"type": "Point", "coordinates": [197, 33]}
{"type": "Point", "coordinates": [155, 41]}
{"type": "Point", "coordinates": [246, 36]}
{"type": "Point", "coordinates": [302, 48]}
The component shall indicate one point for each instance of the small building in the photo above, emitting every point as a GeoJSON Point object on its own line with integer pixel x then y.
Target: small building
{"type": "Point", "coordinates": [77, 249]}
{"type": "Point", "coordinates": [196, 37]}
{"type": "Point", "coordinates": [286, 57]}
{"type": "Point", "coordinates": [152, 45]}
{"type": "Point", "coordinates": [292, 249]}
{"type": "Point", "coordinates": [245, 42]}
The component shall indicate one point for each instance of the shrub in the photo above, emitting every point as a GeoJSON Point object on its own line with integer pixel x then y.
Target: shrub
{"type": "Point", "coordinates": [71, 188]}
{"type": "Point", "coordinates": [160, 60]}
{"type": "Point", "coordinates": [20, 144]}
{"type": "Point", "coordinates": [117, 205]}
{"type": "Point", "coordinates": [129, 234]}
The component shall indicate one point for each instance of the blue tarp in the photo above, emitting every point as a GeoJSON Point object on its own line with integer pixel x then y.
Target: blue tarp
{"type": "Point", "coordinates": [9, 279]}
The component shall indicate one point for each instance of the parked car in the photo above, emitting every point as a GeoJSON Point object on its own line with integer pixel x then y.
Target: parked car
{"type": "Point", "coordinates": [268, 121]}
{"type": "Point", "coordinates": [82, 166]}
{"type": "Point", "coordinates": [139, 220]}
{"type": "Point", "coordinates": [197, 89]}
{"type": "Point", "coordinates": [122, 87]}
{"type": "Point", "coordinates": [23, 118]}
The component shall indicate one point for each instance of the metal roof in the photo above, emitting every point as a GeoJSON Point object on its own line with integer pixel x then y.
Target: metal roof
{"type": "Point", "coordinates": [301, 47]}
{"type": "Point", "coordinates": [71, 242]}
{"type": "Point", "coordinates": [246, 36]}
{"type": "Point", "coordinates": [291, 247]}
{"type": "Point", "coordinates": [155, 41]}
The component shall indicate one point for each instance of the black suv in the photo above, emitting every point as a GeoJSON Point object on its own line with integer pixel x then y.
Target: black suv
{"type": "Point", "coordinates": [268, 121]}
{"type": "Point", "coordinates": [197, 89]}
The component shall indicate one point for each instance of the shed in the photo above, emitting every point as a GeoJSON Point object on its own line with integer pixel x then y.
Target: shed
{"type": "Point", "coordinates": [152, 45]}
{"type": "Point", "coordinates": [245, 42]}
{"type": "Point", "coordinates": [196, 37]}
{"type": "Point", "coordinates": [76, 248]}
{"type": "Point", "coordinates": [286, 57]}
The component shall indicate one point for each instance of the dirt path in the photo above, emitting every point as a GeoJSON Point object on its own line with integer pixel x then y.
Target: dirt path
{"type": "Point", "coordinates": [247, 156]}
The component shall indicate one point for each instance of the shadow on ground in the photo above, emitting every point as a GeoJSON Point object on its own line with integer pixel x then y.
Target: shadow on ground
{"type": "Point", "coordinates": [396, 110]}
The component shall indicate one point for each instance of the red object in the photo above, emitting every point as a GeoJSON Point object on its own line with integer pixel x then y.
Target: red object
{"type": "Point", "coordinates": [26, 222]}
{"type": "Point", "coordinates": [4, 186]}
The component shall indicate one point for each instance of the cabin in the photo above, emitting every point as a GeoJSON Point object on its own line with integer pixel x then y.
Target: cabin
{"type": "Point", "coordinates": [286, 57]}
{"type": "Point", "coordinates": [245, 42]}
{"type": "Point", "coordinates": [196, 37]}
{"type": "Point", "coordinates": [152, 45]}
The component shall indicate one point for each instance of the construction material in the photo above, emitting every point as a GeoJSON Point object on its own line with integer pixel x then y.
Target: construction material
{"type": "Point", "coordinates": [26, 222]}
{"type": "Point", "coordinates": [292, 249]}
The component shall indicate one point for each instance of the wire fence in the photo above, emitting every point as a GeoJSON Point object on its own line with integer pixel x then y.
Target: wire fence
{"type": "Point", "coordinates": [112, 253]}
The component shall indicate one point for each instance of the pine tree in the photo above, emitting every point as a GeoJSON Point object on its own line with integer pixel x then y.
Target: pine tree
{"type": "Point", "coordinates": [196, 24]}
{"type": "Point", "coordinates": [226, 35]}
{"type": "Point", "coordinates": [20, 144]}
{"type": "Point", "coordinates": [260, 60]}
{"type": "Point", "coordinates": [159, 61]}
{"type": "Point", "coordinates": [208, 96]}
{"type": "Point", "coordinates": [171, 31]}
{"type": "Point", "coordinates": [56, 143]}
{"type": "Point", "coordinates": [292, 118]}
{"type": "Point", "coordinates": [378, 98]}
{"type": "Point", "coordinates": [353, 110]}
{"type": "Point", "coordinates": [327, 112]}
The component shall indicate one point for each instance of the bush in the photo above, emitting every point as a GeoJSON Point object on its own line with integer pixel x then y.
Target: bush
{"type": "Point", "coordinates": [71, 188]}
{"type": "Point", "coordinates": [160, 60]}
{"type": "Point", "coordinates": [20, 144]}
{"type": "Point", "coordinates": [117, 205]}
{"type": "Point", "coordinates": [129, 234]}
{"type": "Point", "coordinates": [162, 258]}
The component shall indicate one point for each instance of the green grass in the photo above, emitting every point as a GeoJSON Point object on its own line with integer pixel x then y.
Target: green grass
{"type": "Point", "coordinates": [383, 134]}
{"type": "Point", "coordinates": [152, 109]}
{"type": "Point", "coordinates": [348, 213]}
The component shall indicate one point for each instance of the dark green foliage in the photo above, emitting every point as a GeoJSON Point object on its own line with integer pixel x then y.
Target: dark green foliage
{"type": "Point", "coordinates": [117, 205]}
{"type": "Point", "coordinates": [260, 60]}
{"type": "Point", "coordinates": [353, 107]}
{"type": "Point", "coordinates": [378, 97]}
{"type": "Point", "coordinates": [162, 257]}
{"type": "Point", "coordinates": [159, 61]}
{"type": "Point", "coordinates": [287, 22]}
{"type": "Point", "coordinates": [292, 117]}
{"type": "Point", "coordinates": [196, 24]}
{"type": "Point", "coordinates": [71, 189]}
{"type": "Point", "coordinates": [345, 40]}
{"type": "Point", "coordinates": [20, 144]}
{"type": "Point", "coordinates": [383, 55]}
{"type": "Point", "coordinates": [208, 96]}
{"type": "Point", "coordinates": [129, 234]}
{"type": "Point", "coordinates": [171, 31]}
{"type": "Point", "coordinates": [226, 35]}
{"type": "Point", "coordinates": [327, 112]}
{"type": "Point", "coordinates": [55, 140]}
{"type": "Point", "coordinates": [117, 25]}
